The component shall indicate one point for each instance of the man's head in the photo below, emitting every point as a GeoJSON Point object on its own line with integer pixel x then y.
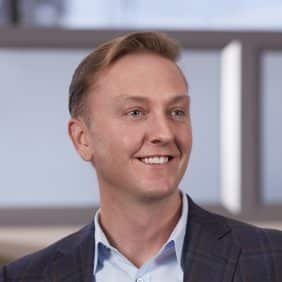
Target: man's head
{"type": "Point", "coordinates": [130, 115]}
{"type": "Point", "coordinates": [89, 70]}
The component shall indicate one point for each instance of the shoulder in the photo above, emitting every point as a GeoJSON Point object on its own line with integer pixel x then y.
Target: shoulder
{"type": "Point", "coordinates": [260, 249]}
{"type": "Point", "coordinates": [255, 240]}
{"type": "Point", "coordinates": [261, 252]}
{"type": "Point", "coordinates": [252, 253]}
{"type": "Point", "coordinates": [252, 239]}
{"type": "Point", "coordinates": [33, 266]}
{"type": "Point", "coordinates": [249, 237]}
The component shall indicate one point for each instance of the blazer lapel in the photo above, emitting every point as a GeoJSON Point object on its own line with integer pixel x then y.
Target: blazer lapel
{"type": "Point", "coordinates": [209, 253]}
{"type": "Point", "coordinates": [74, 260]}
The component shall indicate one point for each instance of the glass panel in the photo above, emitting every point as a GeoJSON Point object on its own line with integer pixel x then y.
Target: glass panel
{"type": "Point", "coordinates": [271, 133]}
{"type": "Point", "coordinates": [202, 69]}
{"type": "Point", "coordinates": [38, 164]}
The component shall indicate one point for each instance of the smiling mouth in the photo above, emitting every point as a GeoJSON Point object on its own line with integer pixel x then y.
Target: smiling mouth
{"type": "Point", "coordinates": [156, 160]}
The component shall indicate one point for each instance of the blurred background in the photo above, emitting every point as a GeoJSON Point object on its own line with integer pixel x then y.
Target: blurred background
{"type": "Point", "coordinates": [179, 14]}
{"type": "Point", "coordinates": [232, 58]}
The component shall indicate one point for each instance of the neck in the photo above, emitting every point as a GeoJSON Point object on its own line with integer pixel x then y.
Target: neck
{"type": "Point", "coordinates": [139, 229]}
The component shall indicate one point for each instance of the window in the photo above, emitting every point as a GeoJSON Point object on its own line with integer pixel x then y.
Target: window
{"type": "Point", "coordinates": [271, 133]}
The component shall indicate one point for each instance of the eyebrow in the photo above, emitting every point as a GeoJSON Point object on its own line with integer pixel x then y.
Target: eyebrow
{"type": "Point", "coordinates": [142, 99]}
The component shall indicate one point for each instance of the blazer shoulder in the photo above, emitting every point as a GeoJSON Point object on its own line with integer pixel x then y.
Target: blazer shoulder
{"type": "Point", "coordinates": [250, 238]}
{"type": "Point", "coordinates": [261, 252]}
{"type": "Point", "coordinates": [253, 239]}
{"type": "Point", "coordinates": [31, 267]}
{"type": "Point", "coordinates": [255, 253]}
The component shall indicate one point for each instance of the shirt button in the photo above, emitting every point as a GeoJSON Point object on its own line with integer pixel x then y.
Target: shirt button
{"type": "Point", "coordinates": [139, 280]}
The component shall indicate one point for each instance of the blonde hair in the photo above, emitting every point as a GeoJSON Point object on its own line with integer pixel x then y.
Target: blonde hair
{"type": "Point", "coordinates": [87, 72]}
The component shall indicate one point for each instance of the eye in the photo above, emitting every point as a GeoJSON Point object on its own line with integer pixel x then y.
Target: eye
{"type": "Point", "coordinates": [178, 113]}
{"type": "Point", "coordinates": [135, 113]}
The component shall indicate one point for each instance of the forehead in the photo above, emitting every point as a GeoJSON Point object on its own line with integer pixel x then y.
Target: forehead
{"type": "Point", "coordinates": [124, 98]}
{"type": "Point", "coordinates": [141, 76]}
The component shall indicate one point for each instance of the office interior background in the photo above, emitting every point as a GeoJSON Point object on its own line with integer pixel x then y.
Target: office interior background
{"type": "Point", "coordinates": [233, 61]}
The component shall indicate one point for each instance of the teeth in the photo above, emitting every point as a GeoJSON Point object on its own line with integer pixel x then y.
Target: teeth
{"type": "Point", "coordinates": [155, 160]}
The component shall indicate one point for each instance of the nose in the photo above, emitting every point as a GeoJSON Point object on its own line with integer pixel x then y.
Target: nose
{"type": "Point", "coordinates": [160, 130]}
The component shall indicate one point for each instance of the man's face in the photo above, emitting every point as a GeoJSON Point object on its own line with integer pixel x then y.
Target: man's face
{"type": "Point", "coordinates": [140, 130]}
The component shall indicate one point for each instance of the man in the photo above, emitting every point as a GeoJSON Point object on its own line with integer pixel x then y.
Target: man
{"type": "Point", "coordinates": [131, 120]}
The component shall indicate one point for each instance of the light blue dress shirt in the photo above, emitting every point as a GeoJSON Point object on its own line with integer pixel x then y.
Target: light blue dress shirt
{"type": "Point", "coordinates": [111, 265]}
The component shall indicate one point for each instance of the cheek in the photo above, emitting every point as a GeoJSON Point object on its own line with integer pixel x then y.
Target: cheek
{"type": "Point", "coordinates": [116, 140]}
{"type": "Point", "coordinates": [185, 140]}
{"type": "Point", "coordinates": [130, 139]}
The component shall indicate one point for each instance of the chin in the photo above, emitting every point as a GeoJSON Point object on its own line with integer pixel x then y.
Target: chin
{"type": "Point", "coordinates": [159, 193]}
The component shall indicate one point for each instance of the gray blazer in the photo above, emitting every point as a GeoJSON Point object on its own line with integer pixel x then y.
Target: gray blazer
{"type": "Point", "coordinates": [216, 249]}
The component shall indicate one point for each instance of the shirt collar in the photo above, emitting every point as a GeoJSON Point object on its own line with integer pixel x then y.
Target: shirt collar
{"type": "Point", "coordinates": [100, 238]}
{"type": "Point", "coordinates": [178, 233]}
{"type": "Point", "coordinates": [176, 237]}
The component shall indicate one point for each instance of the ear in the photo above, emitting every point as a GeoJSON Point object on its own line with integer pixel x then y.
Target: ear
{"type": "Point", "coordinates": [79, 134]}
